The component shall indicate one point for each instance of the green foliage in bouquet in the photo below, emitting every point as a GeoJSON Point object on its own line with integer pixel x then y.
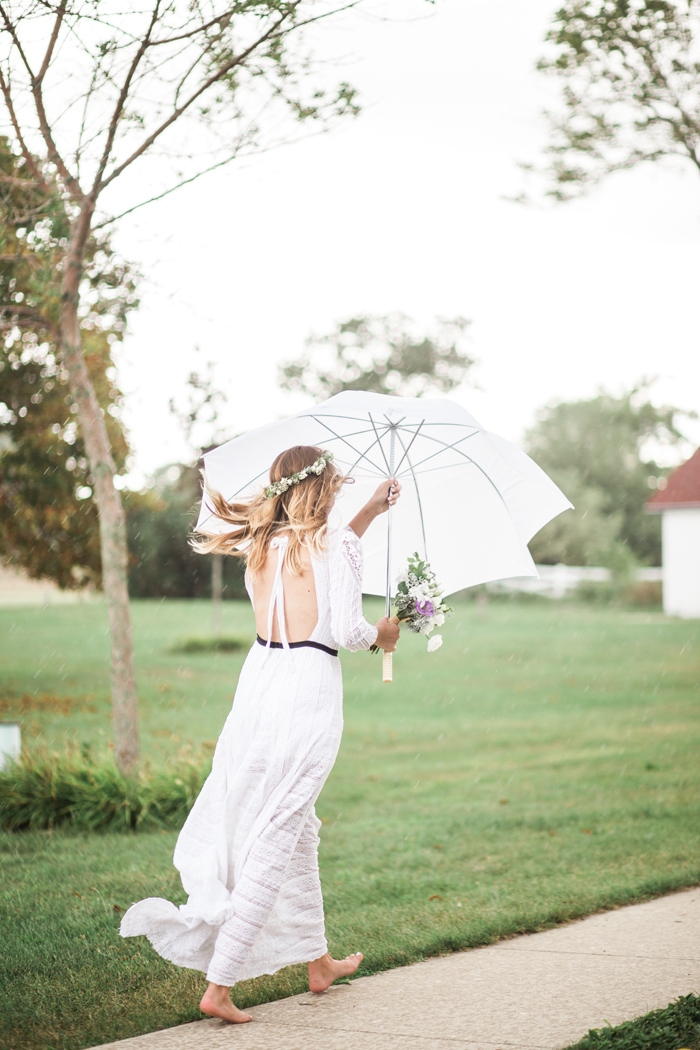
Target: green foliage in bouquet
{"type": "Point", "coordinates": [419, 602]}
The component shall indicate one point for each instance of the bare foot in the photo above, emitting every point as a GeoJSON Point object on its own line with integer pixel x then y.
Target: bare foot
{"type": "Point", "coordinates": [323, 971]}
{"type": "Point", "coordinates": [216, 1002]}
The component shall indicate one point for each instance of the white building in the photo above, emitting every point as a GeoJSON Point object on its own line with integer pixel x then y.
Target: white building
{"type": "Point", "coordinates": [679, 506]}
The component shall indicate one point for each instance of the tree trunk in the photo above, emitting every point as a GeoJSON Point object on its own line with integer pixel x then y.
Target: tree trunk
{"type": "Point", "coordinates": [109, 505]}
{"type": "Point", "coordinates": [217, 566]}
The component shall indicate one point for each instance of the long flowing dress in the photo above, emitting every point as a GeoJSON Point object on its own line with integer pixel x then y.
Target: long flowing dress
{"type": "Point", "coordinates": [248, 851]}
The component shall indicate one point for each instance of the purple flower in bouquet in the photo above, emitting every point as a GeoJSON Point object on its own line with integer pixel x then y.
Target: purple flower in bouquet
{"type": "Point", "coordinates": [419, 603]}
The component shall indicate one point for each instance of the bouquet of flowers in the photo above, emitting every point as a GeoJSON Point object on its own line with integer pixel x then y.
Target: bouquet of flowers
{"type": "Point", "coordinates": [419, 603]}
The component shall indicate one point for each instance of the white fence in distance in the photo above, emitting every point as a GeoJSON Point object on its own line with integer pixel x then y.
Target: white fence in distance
{"type": "Point", "coordinates": [558, 581]}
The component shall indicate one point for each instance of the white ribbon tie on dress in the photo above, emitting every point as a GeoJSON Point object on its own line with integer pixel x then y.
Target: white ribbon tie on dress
{"type": "Point", "coordinates": [279, 543]}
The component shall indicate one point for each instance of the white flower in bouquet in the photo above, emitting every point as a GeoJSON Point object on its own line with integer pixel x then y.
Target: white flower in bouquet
{"type": "Point", "coordinates": [434, 643]}
{"type": "Point", "coordinates": [419, 602]}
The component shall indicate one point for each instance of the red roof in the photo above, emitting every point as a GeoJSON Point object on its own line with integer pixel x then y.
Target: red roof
{"type": "Point", "coordinates": [682, 489]}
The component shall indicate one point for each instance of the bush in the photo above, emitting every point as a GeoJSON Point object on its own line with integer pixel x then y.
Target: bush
{"type": "Point", "coordinates": [598, 592]}
{"type": "Point", "coordinates": [645, 593]}
{"type": "Point", "coordinates": [46, 791]}
{"type": "Point", "coordinates": [214, 644]}
{"type": "Point", "coordinates": [485, 593]}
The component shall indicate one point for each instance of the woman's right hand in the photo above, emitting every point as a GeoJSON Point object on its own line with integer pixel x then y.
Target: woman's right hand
{"type": "Point", "coordinates": [387, 634]}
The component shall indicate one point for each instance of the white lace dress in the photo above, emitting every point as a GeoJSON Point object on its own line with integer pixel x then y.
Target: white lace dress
{"type": "Point", "coordinates": [248, 851]}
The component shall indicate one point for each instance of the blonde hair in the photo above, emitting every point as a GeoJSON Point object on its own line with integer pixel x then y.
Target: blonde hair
{"type": "Point", "coordinates": [302, 511]}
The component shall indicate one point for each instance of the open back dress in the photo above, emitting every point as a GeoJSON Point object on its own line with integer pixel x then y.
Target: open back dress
{"type": "Point", "coordinates": [248, 851]}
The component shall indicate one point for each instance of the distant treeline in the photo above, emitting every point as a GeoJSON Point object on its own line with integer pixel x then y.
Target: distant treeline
{"type": "Point", "coordinates": [598, 450]}
{"type": "Point", "coordinates": [161, 562]}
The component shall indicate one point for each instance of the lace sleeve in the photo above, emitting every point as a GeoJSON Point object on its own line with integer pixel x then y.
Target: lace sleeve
{"type": "Point", "coordinates": [348, 625]}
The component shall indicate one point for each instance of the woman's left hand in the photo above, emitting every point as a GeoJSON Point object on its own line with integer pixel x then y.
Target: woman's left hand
{"type": "Point", "coordinates": [385, 496]}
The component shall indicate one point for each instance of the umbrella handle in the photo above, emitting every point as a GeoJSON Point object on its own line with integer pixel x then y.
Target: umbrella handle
{"type": "Point", "coordinates": [387, 667]}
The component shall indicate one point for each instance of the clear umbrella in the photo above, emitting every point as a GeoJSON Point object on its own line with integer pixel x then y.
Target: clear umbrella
{"type": "Point", "coordinates": [470, 503]}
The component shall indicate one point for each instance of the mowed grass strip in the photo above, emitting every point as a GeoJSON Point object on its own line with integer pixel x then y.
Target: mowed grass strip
{"type": "Point", "coordinates": [540, 766]}
{"type": "Point", "coordinates": [675, 1027]}
{"type": "Point", "coordinates": [54, 675]}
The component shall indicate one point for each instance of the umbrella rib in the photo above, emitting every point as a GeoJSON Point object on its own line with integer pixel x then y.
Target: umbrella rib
{"type": "Point", "coordinates": [407, 450]}
{"type": "Point", "coordinates": [444, 447]}
{"type": "Point", "coordinates": [469, 460]}
{"type": "Point", "coordinates": [355, 419]}
{"type": "Point", "coordinates": [364, 455]}
{"type": "Point", "coordinates": [332, 415]}
{"type": "Point", "coordinates": [360, 455]}
{"type": "Point", "coordinates": [381, 447]}
{"type": "Point", "coordinates": [415, 482]}
{"type": "Point", "coordinates": [213, 513]}
{"type": "Point", "coordinates": [432, 470]}
{"type": "Point", "coordinates": [353, 433]}
{"type": "Point", "coordinates": [242, 487]}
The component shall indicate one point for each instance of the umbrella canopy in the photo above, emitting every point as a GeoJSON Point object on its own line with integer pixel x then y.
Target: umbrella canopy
{"type": "Point", "coordinates": [470, 499]}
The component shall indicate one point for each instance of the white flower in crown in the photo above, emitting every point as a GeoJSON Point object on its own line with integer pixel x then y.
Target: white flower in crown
{"type": "Point", "coordinates": [278, 487]}
{"type": "Point", "coordinates": [434, 643]}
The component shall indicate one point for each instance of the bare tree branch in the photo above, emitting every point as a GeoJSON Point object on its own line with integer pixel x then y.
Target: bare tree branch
{"type": "Point", "coordinates": [166, 193]}
{"type": "Point", "coordinates": [123, 95]}
{"type": "Point", "coordinates": [192, 33]}
{"type": "Point", "coordinates": [26, 152]}
{"type": "Point", "coordinates": [219, 74]}
{"type": "Point", "coordinates": [53, 153]}
{"type": "Point", "coordinates": [52, 42]}
{"type": "Point", "coordinates": [177, 113]}
{"type": "Point", "coordinates": [11, 29]}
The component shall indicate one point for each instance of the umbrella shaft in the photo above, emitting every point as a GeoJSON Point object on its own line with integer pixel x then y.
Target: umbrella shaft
{"type": "Point", "coordinates": [388, 562]}
{"type": "Point", "coordinates": [392, 455]}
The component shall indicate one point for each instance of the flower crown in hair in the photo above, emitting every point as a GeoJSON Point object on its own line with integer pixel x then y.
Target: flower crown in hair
{"type": "Point", "coordinates": [278, 487]}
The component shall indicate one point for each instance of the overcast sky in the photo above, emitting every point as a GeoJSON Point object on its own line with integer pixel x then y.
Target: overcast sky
{"type": "Point", "coordinates": [403, 209]}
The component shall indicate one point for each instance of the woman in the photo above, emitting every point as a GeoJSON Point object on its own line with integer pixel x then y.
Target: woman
{"type": "Point", "coordinates": [248, 852]}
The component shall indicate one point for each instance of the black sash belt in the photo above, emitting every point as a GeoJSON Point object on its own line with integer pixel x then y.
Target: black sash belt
{"type": "Point", "coordinates": [301, 645]}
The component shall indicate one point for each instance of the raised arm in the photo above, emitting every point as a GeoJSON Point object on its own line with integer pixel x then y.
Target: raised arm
{"type": "Point", "coordinates": [386, 496]}
{"type": "Point", "coordinates": [350, 629]}
{"type": "Point", "coordinates": [348, 625]}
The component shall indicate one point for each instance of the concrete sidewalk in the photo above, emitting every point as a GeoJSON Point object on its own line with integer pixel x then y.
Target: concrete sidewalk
{"type": "Point", "coordinates": [538, 992]}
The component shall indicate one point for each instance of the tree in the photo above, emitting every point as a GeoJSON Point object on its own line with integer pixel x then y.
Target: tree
{"type": "Point", "coordinates": [93, 90]}
{"type": "Point", "coordinates": [387, 354]}
{"type": "Point", "coordinates": [600, 451]}
{"type": "Point", "coordinates": [203, 402]}
{"type": "Point", "coordinates": [630, 80]}
{"type": "Point", "coordinates": [159, 522]}
{"type": "Point", "coordinates": [48, 520]}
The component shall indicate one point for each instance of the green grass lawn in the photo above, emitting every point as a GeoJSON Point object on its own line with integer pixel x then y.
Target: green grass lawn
{"type": "Point", "coordinates": [542, 765]}
{"type": "Point", "coordinates": [677, 1025]}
